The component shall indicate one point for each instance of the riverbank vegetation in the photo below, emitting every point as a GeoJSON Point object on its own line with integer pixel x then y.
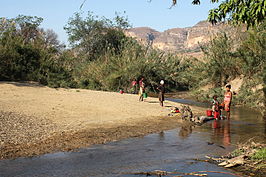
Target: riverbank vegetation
{"type": "Point", "coordinates": [249, 158]}
{"type": "Point", "coordinates": [237, 60]}
{"type": "Point", "coordinates": [102, 57]}
{"type": "Point", "coordinates": [28, 52]}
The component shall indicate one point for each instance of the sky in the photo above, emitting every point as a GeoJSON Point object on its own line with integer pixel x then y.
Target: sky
{"type": "Point", "coordinates": [155, 14]}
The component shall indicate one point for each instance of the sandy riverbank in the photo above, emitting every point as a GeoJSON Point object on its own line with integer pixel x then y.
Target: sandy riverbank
{"type": "Point", "coordinates": [35, 119]}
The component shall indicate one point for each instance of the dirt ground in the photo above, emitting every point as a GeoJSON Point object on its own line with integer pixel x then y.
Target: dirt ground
{"type": "Point", "coordinates": [35, 119]}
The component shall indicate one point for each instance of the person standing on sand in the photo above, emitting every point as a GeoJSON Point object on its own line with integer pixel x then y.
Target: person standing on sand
{"type": "Point", "coordinates": [134, 86]}
{"type": "Point", "coordinates": [161, 92]}
{"type": "Point", "coordinates": [227, 100]}
{"type": "Point", "coordinates": [141, 89]}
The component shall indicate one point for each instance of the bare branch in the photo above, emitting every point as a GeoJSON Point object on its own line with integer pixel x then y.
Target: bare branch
{"type": "Point", "coordinates": [82, 4]}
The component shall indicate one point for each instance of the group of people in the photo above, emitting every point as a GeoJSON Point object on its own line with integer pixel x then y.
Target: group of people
{"type": "Point", "coordinates": [142, 90]}
{"type": "Point", "coordinates": [135, 84]}
{"type": "Point", "coordinates": [216, 106]}
{"type": "Point", "coordinates": [225, 105]}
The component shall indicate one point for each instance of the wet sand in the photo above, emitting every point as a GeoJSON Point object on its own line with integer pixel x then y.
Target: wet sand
{"type": "Point", "coordinates": [35, 119]}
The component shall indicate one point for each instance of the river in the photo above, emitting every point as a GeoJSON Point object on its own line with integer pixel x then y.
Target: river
{"type": "Point", "coordinates": [174, 150]}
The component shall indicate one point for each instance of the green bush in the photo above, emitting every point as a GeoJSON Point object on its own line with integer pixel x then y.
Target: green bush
{"type": "Point", "coordinates": [114, 71]}
{"type": "Point", "coordinates": [25, 54]}
{"type": "Point", "coordinates": [259, 155]}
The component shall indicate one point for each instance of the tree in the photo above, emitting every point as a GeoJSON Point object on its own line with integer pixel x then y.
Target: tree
{"type": "Point", "coordinates": [250, 12]}
{"type": "Point", "coordinates": [51, 39]}
{"type": "Point", "coordinates": [20, 56]}
{"type": "Point", "coordinates": [220, 63]}
{"type": "Point", "coordinates": [27, 26]}
{"type": "Point", "coordinates": [30, 53]}
{"type": "Point", "coordinates": [93, 36]}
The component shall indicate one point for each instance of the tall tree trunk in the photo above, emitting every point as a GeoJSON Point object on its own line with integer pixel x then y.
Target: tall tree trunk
{"type": "Point", "coordinates": [264, 91]}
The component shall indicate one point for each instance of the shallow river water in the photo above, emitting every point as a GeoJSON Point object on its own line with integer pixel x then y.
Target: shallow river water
{"type": "Point", "coordinates": [174, 150]}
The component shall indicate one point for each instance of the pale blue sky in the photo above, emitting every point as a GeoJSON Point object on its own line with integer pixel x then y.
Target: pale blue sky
{"type": "Point", "coordinates": [156, 14]}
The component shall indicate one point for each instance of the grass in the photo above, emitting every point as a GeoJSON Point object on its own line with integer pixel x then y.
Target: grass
{"type": "Point", "coordinates": [237, 152]}
{"type": "Point", "coordinates": [259, 155]}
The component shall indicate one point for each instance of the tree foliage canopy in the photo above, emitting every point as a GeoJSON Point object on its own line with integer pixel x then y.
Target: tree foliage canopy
{"type": "Point", "coordinates": [28, 52]}
{"type": "Point", "coordinates": [93, 35]}
{"type": "Point", "coordinates": [250, 12]}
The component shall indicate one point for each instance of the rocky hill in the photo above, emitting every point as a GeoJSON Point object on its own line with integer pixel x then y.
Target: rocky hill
{"type": "Point", "coordinates": [185, 40]}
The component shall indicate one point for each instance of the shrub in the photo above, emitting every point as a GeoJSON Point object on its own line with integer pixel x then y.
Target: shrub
{"type": "Point", "coordinates": [259, 155]}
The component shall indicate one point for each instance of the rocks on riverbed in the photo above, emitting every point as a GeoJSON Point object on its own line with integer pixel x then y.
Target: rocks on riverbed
{"type": "Point", "coordinates": [239, 160]}
{"type": "Point", "coordinates": [17, 129]}
{"type": "Point", "coordinates": [245, 158]}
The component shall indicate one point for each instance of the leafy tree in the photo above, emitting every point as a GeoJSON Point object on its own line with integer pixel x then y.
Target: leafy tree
{"type": "Point", "coordinates": [30, 53]}
{"type": "Point", "coordinates": [50, 39]}
{"type": "Point", "coordinates": [19, 57]}
{"type": "Point", "coordinates": [93, 36]}
{"type": "Point", "coordinates": [27, 27]}
{"type": "Point", "coordinates": [221, 65]}
{"type": "Point", "coordinates": [252, 51]}
{"type": "Point", "coordinates": [250, 12]}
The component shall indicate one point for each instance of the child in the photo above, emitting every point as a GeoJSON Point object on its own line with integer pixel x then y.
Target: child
{"type": "Point", "coordinates": [174, 110]}
{"type": "Point", "coordinates": [215, 107]}
{"type": "Point", "coordinates": [227, 100]}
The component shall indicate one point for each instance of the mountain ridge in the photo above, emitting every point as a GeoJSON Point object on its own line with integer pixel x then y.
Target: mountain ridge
{"type": "Point", "coordinates": [188, 39]}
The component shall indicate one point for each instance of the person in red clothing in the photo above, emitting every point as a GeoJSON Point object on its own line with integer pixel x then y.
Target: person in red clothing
{"type": "Point", "coordinates": [134, 86]}
{"type": "Point", "coordinates": [227, 100]}
{"type": "Point", "coordinates": [215, 107]}
{"type": "Point", "coordinates": [141, 81]}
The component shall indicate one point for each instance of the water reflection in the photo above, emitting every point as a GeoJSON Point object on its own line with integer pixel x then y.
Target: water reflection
{"type": "Point", "coordinates": [161, 135]}
{"type": "Point", "coordinates": [221, 132]}
{"type": "Point", "coordinates": [185, 130]}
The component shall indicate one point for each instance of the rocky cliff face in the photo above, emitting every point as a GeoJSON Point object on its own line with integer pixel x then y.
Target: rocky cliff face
{"type": "Point", "coordinates": [179, 39]}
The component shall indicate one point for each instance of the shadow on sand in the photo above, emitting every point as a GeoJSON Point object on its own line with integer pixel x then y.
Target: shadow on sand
{"type": "Point", "coordinates": [23, 83]}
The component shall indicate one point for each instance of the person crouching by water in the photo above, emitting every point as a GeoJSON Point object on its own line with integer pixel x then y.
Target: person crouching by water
{"type": "Point", "coordinates": [161, 89]}
{"type": "Point", "coordinates": [141, 89]}
{"type": "Point", "coordinates": [227, 100]}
